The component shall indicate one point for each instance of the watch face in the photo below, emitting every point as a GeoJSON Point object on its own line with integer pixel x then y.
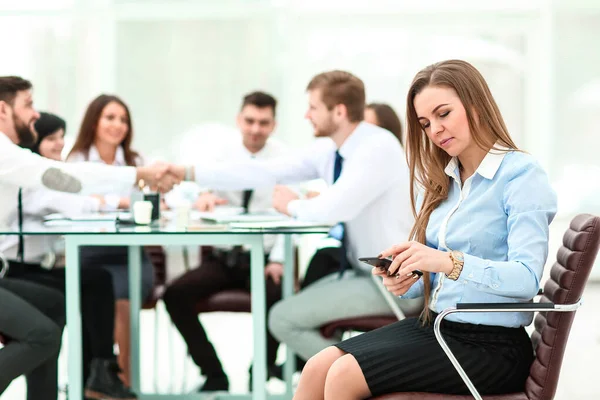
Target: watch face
{"type": "Point", "coordinates": [458, 256]}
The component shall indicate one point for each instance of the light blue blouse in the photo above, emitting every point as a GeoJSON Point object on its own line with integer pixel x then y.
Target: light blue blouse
{"type": "Point", "coordinates": [500, 220]}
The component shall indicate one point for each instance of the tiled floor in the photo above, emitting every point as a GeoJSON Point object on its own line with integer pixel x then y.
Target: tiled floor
{"type": "Point", "coordinates": [168, 372]}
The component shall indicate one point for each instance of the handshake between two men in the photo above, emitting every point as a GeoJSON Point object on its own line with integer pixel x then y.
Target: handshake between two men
{"type": "Point", "coordinates": [162, 176]}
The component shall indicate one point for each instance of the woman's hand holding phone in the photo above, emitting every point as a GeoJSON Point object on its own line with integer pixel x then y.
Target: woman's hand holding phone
{"type": "Point", "coordinates": [410, 256]}
{"type": "Point", "coordinates": [395, 284]}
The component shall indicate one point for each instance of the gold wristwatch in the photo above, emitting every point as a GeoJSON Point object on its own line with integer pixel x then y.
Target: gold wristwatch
{"type": "Point", "coordinates": [458, 260]}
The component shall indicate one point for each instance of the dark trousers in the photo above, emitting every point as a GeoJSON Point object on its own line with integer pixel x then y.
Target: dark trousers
{"type": "Point", "coordinates": [212, 277]}
{"type": "Point", "coordinates": [325, 261]}
{"type": "Point", "coordinates": [97, 306]}
{"type": "Point", "coordinates": [32, 318]}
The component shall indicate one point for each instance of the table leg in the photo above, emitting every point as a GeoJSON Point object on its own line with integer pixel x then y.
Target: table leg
{"type": "Point", "coordinates": [73, 294]}
{"type": "Point", "coordinates": [259, 304]}
{"type": "Point", "coordinates": [288, 290]}
{"type": "Point", "coordinates": [135, 301]}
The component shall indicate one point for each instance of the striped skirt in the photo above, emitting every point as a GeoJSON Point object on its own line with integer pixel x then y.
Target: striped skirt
{"type": "Point", "coordinates": [406, 357]}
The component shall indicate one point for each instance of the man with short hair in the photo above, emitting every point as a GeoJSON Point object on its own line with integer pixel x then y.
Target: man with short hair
{"type": "Point", "coordinates": [226, 268]}
{"type": "Point", "coordinates": [21, 168]}
{"type": "Point", "coordinates": [368, 195]}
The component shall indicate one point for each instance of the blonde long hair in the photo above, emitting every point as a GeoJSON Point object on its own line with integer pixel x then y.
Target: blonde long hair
{"type": "Point", "coordinates": [426, 161]}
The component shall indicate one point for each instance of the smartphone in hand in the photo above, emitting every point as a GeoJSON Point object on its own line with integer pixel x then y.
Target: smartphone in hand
{"type": "Point", "coordinates": [383, 263]}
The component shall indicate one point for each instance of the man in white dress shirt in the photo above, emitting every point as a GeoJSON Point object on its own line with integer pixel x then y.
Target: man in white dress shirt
{"type": "Point", "coordinates": [225, 268]}
{"type": "Point", "coordinates": [366, 169]}
{"type": "Point", "coordinates": [21, 168]}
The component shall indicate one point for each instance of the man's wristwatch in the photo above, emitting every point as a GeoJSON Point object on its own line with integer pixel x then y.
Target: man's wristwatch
{"type": "Point", "coordinates": [458, 260]}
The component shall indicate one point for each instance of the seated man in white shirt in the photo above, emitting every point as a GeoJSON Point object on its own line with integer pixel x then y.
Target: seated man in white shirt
{"type": "Point", "coordinates": [229, 268]}
{"type": "Point", "coordinates": [22, 168]}
{"type": "Point", "coordinates": [367, 172]}
{"type": "Point", "coordinates": [43, 263]}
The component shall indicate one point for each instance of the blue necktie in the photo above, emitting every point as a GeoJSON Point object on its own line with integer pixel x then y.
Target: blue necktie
{"type": "Point", "coordinates": [339, 231]}
{"type": "Point", "coordinates": [337, 166]}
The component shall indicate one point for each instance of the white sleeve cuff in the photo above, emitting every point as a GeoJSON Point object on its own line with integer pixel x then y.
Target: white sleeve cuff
{"type": "Point", "coordinates": [294, 207]}
{"type": "Point", "coordinates": [94, 204]}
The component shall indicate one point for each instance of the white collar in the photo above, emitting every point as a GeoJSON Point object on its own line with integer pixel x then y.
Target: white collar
{"type": "Point", "coordinates": [94, 156]}
{"type": "Point", "coordinates": [488, 166]}
{"type": "Point", "coordinates": [353, 141]}
{"type": "Point", "coordinates": [259, 154]}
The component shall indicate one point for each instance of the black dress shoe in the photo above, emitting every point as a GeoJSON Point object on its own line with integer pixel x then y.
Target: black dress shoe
{"type": "Point", "coordinates": [215, 383]}
{"type": "Point", "coordinates": [104, 382]}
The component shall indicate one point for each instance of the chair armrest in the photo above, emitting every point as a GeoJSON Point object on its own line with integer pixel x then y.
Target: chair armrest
{"type": "Point", "coordinates": [509, 307]}
{"type": "Point", "coordinates": [490, 307]}
{"type": "Point", "coordinates": [493, 306]}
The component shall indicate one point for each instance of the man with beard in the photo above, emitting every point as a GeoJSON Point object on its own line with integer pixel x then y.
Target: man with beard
{"type": "Point", "coordinates": [368, 198]}
{"type": "Point", "coordinates": [22, 168]}
{"type": "Point", "coordinates": [32, 316]}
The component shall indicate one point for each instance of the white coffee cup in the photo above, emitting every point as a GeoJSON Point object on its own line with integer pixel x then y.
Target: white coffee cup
{"type": "Point", "coordinates": [142, 212]}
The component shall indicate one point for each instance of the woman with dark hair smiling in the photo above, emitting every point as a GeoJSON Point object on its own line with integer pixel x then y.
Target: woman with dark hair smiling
{"type": "Point", "coordinates": [105, 136]}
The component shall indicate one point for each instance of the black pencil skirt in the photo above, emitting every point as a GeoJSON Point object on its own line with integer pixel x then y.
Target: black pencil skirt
{"type": "Point", "coordinates": [406, 357]}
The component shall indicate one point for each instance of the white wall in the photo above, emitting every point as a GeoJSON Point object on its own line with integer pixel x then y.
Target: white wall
{"type": "Point", "coordinates": [183, 63]}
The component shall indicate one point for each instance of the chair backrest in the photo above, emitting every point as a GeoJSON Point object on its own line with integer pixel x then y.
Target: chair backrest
{"type": "Point", "coordinates": [568, 278]}
{"type": "Point", "coordinates": [158, 258]}
{"type": "Point", "coordinates": [231, 300]}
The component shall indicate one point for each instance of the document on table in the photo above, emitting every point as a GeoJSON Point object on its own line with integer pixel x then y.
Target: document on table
{"type": "Point", "coordinates": [280, 224]}
{"type": "Point", "coordinates": [89, 217]}
{"type": "Point", "coordinates": [247, 218]}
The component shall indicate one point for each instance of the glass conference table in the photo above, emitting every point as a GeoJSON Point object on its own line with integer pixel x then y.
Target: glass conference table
{"type": "Point", "coordinates": [110, 233]}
